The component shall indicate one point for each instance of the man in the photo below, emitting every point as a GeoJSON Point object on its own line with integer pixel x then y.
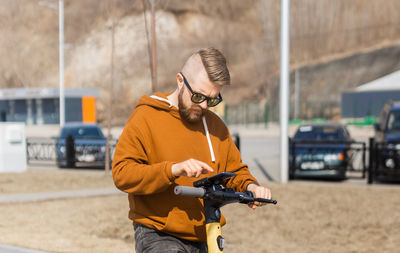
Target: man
{"type": "Point", "coordinates": [172, 139]}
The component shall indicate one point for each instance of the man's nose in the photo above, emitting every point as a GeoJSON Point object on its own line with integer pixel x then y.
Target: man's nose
{"type": "Point", "coordinates": [204, 105]}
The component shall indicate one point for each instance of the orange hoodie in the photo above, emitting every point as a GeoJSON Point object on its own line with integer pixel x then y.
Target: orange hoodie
{"type": "Point", "coordinates": [154, 138]}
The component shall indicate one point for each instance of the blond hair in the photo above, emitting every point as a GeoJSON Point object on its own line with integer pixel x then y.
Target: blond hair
{"type": "Point", "coordinates": [214, 63]}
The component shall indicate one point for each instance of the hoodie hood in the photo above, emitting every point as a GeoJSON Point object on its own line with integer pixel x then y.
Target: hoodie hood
{"type": "Point", "coordinates": [157, 100]}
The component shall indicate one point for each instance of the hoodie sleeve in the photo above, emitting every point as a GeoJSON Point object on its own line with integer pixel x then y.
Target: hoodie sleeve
{"type": "Point", "coordinates": [234, 164]}
{"type": "Point", "coordinates": [131, 170]}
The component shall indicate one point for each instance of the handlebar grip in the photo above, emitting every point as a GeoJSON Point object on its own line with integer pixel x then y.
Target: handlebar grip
{"type": "Point", "coordinates": [269, 201]}
{"type": "Point", "coordinates": [189, 191]}
{"type": "Point", "coordinates": [262, 200]}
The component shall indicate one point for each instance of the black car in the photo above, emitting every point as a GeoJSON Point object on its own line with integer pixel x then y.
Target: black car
{"type": "Point", "coordinates": [387, 129]}
{"type": "Point", "coordinates": [83, 144]}
{"type": "Point", "coordinates": [320, 150]}
{"type": "Point", "coordinates": [386, 155]}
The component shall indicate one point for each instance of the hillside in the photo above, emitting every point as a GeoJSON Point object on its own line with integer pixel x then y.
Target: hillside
{"type": "Point", "coordinates": [323, 33]}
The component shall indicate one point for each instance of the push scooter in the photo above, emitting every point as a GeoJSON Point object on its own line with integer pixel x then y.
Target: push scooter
{"type": "Point", "coordinates": [211, 190]}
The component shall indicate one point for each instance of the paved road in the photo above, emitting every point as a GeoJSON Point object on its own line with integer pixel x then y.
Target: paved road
{"type": "Point", "coordinates": [262, 157]}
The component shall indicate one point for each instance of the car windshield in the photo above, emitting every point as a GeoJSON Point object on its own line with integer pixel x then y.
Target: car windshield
{"type": "Point", "coordinates": [393, 124]}
{"type": "Point", "coordinates": [82, 132]}
{"type": "Point", "coordinates": [320, 133]}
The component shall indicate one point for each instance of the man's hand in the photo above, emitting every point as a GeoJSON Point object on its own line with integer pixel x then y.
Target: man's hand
{"type": "Point", "coordinates": [190, 168]}
{"type": "Point", "coordinates": [259, 192]}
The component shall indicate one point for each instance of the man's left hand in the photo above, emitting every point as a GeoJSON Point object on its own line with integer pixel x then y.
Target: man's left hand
{"type": "Point", "coordinates": [259, 192]}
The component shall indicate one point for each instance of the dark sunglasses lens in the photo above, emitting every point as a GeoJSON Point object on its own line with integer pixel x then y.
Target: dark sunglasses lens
{"type": "Point", "coordinates": [213, 102]}
{"type": "Point", "coordinates": [198, 98]}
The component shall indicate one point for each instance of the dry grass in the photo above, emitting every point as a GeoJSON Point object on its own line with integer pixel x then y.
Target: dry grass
{"type": "Point", "coordinates": [53, 180]}
{"type": "Point", "coordinates": [319, 218]}
{"type": "Point", "coordinates": [77, 225]}
{"type": "Point", "coordinates": [310, 217]}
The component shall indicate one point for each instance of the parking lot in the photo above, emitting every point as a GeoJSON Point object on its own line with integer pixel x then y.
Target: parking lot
{"type": "Point", "coordinates": [259, 147]}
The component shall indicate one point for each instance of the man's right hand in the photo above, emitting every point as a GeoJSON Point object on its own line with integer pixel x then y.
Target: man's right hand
{"type": "Point", "coordinates": [190, 168]}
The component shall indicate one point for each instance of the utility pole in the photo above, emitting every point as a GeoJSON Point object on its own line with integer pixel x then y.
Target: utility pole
{"type": "Point", "coordinates": [284, 89]}
{"type": "Point", "coordinates": [53, 5]}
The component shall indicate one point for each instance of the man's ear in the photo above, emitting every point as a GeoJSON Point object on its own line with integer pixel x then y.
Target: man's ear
{"type": "Point", "coordinates": [179, 80]}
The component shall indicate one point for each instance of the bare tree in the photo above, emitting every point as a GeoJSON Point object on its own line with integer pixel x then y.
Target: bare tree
{"type": "Point", "coordinates": [14, 62]}
{"type": "Point", "coordinates": [152, 46]}
{"type": "Point", "coordinates": [111, 9]}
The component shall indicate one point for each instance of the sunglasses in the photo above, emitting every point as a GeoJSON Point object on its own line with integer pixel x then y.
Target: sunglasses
{"type": "Point", "coordinates": [199, 98]}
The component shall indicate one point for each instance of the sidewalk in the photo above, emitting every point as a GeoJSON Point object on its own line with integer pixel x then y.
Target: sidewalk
{"type": "Point", "coordinates": [272, 131]}
{"type": "Point", "coordinates": [44, 196]}
{"type": "Point", "coordinates": [13, 249]}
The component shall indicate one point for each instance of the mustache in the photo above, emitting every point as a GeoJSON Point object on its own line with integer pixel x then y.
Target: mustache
{"type": "Point", "coordinates": [197, 108]}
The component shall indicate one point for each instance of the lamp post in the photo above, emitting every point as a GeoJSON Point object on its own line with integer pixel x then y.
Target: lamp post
{"type": "Point", "coordinates": [53, 6]}
{"type": "Point", "coordinates": [284, 89]}
{"type": "Point", "coordinates": [61, 58]}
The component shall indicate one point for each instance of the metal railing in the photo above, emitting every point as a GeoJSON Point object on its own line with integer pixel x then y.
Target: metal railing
{"type": "Point", "coordinates": [41, 149]}
{"type": "Point", "coordinates": [246, 113]}
{"type": "Point", "coordinates": [45, 149]}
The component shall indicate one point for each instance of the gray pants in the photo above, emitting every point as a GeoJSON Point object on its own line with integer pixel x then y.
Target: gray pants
{"type": "Point", "coordinates": [148, 240]}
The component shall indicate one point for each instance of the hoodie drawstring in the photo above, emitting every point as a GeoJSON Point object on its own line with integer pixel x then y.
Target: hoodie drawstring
{"type": "Point", "coordinates": [162, 99]}
{"type": "Point", "coordinates": [208, 139]}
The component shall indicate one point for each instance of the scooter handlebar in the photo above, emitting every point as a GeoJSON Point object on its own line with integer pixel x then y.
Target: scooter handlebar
{"type": "Point", "coordinates": [189, 191]}
{"type": "Point", "coordinates": [242, 197]}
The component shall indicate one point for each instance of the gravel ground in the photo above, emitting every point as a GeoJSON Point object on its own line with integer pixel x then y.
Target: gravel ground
{"type": "Point", "coordinates": [309, 217]}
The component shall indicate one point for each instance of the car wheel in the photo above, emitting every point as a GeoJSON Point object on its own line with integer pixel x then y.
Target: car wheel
{"type": "Point", "coordinates": [70, 165]}
{"type": "Point", "coordinates": [59, 163]}
{"type": "Point", "coordinates": [342, 174]}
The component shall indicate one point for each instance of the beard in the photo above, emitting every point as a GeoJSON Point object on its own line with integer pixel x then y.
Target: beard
{"type": "Point", "coordinates": [192, 114]}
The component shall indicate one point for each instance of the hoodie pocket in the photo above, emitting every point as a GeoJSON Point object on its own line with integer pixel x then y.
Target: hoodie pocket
{"type": "Point", "coordinates": [189, 222]}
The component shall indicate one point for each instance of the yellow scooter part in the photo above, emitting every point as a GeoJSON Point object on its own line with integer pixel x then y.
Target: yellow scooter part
{"type": "Point", "coordinates": [215, 241]}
